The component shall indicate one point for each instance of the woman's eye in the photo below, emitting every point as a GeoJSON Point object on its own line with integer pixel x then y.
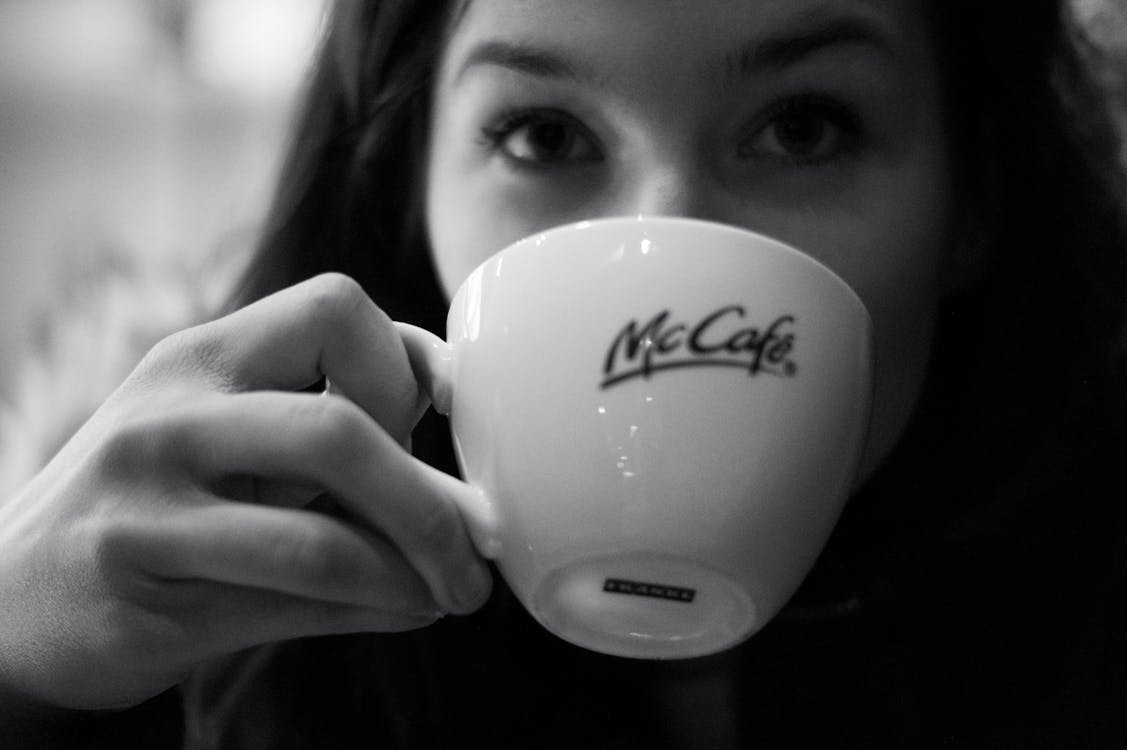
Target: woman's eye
{"type": "Point", "coordinates": [542, 138]}
{"type": "Point", "coordinates": [804, 130]}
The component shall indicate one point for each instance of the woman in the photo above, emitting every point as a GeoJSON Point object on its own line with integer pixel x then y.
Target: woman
{"type": "Point", "coordinates": [971, 593]}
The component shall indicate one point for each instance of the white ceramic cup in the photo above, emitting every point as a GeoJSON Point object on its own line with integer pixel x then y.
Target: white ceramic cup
{"type": "Point", "coordinates": [663, 418]}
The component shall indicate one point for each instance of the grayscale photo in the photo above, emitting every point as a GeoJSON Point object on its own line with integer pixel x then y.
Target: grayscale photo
{"type": "Point", "coordinates": [601, 374]}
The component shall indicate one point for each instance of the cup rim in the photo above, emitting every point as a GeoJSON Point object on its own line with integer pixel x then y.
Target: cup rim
{"type": "Point", "coordinates": [660, 219]}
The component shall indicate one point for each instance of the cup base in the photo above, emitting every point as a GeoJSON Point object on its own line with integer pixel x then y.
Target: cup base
{"type": "Point", "coordinates": [645, 606]}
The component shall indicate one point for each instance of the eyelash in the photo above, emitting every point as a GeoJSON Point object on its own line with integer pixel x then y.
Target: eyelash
{"type": "Point", "coordinates": [501, 128]}
{"type": "Point", "coordinates": [840, 114]}
{"type": "Point", "coordinates": [836, 112]}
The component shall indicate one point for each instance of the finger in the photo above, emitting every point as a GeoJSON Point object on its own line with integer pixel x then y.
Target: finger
{"type": "Point", "coordinates": [219, 619]}
{"type": "Point", "coordinates": [265, 617]}
{"type": "Point", "coordinates": [330, 443]}
{"type": "Point", "coordinates": [295, 552]}
{"type": "Point", "coordinates": [324, 327]}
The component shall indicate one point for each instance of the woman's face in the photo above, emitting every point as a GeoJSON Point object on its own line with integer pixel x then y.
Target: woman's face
{"type": "Point", "coordinates": [816, 121]}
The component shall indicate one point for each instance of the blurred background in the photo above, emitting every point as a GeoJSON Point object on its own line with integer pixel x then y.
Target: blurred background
{"type": "Point", "coordinates": [135, 129]}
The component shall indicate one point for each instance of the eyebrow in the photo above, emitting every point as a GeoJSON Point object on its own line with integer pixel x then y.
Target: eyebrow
{"type": "Point", "coordinates": [803, 39]}
{"type": "Point", "coordinates": [523, 58]}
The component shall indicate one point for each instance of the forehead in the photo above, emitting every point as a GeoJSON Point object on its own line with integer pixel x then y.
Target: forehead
{"type": "Point", "coordinates": [665, 44]}
{"type": "Point", "coordinates": [691, 28]}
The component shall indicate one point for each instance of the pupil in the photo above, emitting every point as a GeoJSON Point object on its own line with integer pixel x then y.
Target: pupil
{"type": "Point", "coordinates": [549, 139]}
{"type": "Point", "coordinates": [800, 134]}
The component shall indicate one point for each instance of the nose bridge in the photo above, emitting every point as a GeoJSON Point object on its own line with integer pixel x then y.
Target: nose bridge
{"type": "Point", "coordinates": [671, 186]}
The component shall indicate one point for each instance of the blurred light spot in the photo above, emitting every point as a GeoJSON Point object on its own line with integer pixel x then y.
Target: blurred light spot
{"type": "Point", "coordinates": [256, 45]}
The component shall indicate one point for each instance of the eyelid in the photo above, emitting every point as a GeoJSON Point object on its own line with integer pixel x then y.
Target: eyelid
{"type": "Point", "coordinates": [509, 121]}
{"type": "Point", "coordinates": [839, 112]}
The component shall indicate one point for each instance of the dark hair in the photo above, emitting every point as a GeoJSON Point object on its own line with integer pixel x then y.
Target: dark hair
{"type": "Point", "coordinates": [1044, 197]}
{"type": "Point", "coordinates": [1038, 154]}
{"type": "Point", "coordinates": [1024, 366]}
{"type": "Point", "coordinates": [349, 196]}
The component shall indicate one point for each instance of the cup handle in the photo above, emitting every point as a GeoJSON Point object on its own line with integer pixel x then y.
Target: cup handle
{"type": "Point", "coordinates": [433, 362]}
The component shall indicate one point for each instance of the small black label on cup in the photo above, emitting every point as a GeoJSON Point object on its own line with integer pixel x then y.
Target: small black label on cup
{"type": "Point", "coordinates": [655, 590]}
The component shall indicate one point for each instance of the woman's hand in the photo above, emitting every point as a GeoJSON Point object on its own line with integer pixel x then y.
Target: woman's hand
{"type": "Point", "coordinates": [171, 528]}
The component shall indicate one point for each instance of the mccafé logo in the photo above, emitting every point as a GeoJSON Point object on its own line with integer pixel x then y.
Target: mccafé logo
{"type": "Point", "coordinates": [722, 338]}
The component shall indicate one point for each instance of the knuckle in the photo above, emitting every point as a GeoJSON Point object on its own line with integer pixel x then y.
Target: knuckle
{"type": "Point", "coordinates": [199, 350]}
{"type": "Point", "coordinates": [170, 348]}
{"type": "Point", "coordinates": [115, 551]}
{"type": "Point", "coordinates": [335, 296]}
{"type": "Point", "coordinates": [132, 634]}
{"type": "Point", "coordinates": [111, 545]}
{"type": "Point", "coordinates": [106, 558]}
{"type": "Point", "coordinates": [140, 442]}
{"type": "Point", "coordinates": [131, 445]}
